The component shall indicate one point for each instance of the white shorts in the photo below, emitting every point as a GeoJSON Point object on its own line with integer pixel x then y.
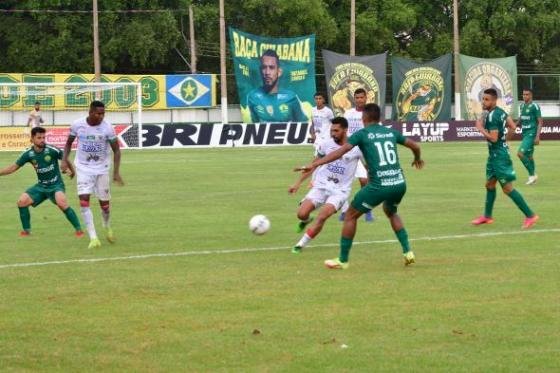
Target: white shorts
{"type": "Point", "coordinates": [99, 185]}
{"type": "Point", "coordinates": [321, 196]}
{"type": "Point", "coordinates": [361, 171]}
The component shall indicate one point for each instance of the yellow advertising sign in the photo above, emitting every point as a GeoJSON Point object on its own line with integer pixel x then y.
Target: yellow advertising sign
{"type": "Point", "coordinates": [14, 138]}
{"type": "Point", "coordinates": [69, 97]}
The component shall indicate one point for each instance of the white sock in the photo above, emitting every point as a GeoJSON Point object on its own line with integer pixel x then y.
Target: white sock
{"type": "Point", "coordinates": [88, 220]}
{"type": "Point", "coordinates": [304, 240]}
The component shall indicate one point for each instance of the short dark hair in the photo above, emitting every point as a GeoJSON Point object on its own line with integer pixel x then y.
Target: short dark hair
{"type": "Point", "coordinates": [360, 90]}
{"type": "Point", "coordinates": [37, 103]}
{"type": "Point", "coordinates": [373, 111]}
{"type": "Point", "coordinates": [319, 94]}
{"type": "Point", "coordinates": [36, 130]}
{"type": "Point", "coordinates": [492, 92]}
{"type": "Point", "coordinates": [271, 53]}
{"type": "Point", "coordinates": [528, 89]}
{"type": "Point", "coordinates": [341, 121]}
{"type": "Point", "coordinates": [96, 104]}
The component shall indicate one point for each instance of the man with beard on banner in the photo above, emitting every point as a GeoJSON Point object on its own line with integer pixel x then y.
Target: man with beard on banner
{"type": "Point", "coordinates": [270, 103]}
{"type": "Point", "coordinates": [355, 123]}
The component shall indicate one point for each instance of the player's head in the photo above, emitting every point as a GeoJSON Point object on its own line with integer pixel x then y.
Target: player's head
{"type": "Point", "coordinates": [489, 99]}
{"type": "Point", "coordinates": [339, 126]}
{"type": "Point", "coordinates": [37, 105]}
{"type": "Point", "coordinates": [527, 95]}
{"type": "Point", "coordinates": [38, 136]}
{"type": "Point", "coordinates": [360, 98]}
{"type": "Point", "coordinates": [371, 114]}
{"type": "Point", "coordinates": [319, 100]}
{"type": "Point", "coordinates": [96, 113]}
{"type": "Point", "coordinates": [270, 70]}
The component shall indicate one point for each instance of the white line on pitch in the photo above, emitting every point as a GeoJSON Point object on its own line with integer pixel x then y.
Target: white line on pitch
{"type": "Point", "coordinates": [257, 249]}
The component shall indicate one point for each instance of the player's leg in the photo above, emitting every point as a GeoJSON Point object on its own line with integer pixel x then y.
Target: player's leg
{"type": "Point", "coordinates": [530, 217]}
{"type": "Point", "coordinates": [62, 203]}
{"type": "Point", "coordinates": [103, 193]}
{"type": "Point", "coordinates": [525, 154]}
{"type": "Point", "coordinates": [390, 207]}
{"type": "Point", "coordinates": [490, 197]}
{"type": "Point", "coordinates": [23, 203]}
{"type": "Point", "coordinates": [361, 174]}
{"type": "Point", "coordinates": [85, 189]}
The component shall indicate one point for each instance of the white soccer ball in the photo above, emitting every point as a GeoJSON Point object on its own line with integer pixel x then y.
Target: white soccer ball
{"type": "Point", "coordinates": [259, 224]}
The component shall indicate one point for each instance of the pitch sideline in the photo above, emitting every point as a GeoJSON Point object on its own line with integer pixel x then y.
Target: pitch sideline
{"type": "Point", "coordinates": [259, 249]}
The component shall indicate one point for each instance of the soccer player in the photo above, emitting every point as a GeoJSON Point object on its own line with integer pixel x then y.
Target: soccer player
{"type": "Point", "coordinates": [331, 186]}
{"type": "Point", "coordinates": [386, 180]}
{"type": "Point", "coordinates": [44, 159]}
{"type": "Point", "coordinates": [270, 103]}
{"type": "Point", "coordinates": [499, 167]}
{"type": "Point", "coordinates": [355, 123]}
{"type": "Point", "coordinates": [95, 136]}
{"type": "Point", "coordinates": [35, 117]}
{"type": "Point", "coordinates": [321, 120]}
{"type": "Point", "coordinates": [531, 123]}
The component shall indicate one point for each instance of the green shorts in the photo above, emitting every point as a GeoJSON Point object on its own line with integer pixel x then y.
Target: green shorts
{"type": "Point", "coordinates": [501, 170]}
{"type": "Point", "coordinates": [527, 146]}
{"type": "Point", "coordinates": [370, 196]}
{"type": "Point", "coordinates": [39, 193]}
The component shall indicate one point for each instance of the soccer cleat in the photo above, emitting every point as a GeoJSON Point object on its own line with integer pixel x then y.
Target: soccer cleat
{"type": "Point", "coordinates": [482, 220]}
{"type": "Point", "coordinates": [79, 233]}
{"type": "Point", "coordinates": [532, 180]}
{"type": "Point", "coordinates": [369, 217]}
{"type": "Point", "coordinates": [409, 258]}
{"type": "Point", "coordinates": [24, 233]}
{"type": "Point", "coordinates": [341, 216]}
{"type": "Point", "coordinates": [297, 249]}
{"type": "Point", "coordinates": [94, 243]}
{"type": "Point", "coordinates": [109, 235]}
{"type": "Point", "coordinates": [529, 222]}
{"type": "Point", "coordinates": [302, 224]}
{"type": "Point", "coordinates": [336, 264]}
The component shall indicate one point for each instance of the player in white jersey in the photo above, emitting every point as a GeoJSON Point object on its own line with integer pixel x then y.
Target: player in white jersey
{"type": "Point", "coordinates": [355, 123]}
{"type": "Point", "coordinates": [331, 187]}
{"type": "Point", "coordinates": [95, 137]}
{"type": "Point", "coordinates": [35, 116]}
{"type": "Point", "coordinates": [321, 120]}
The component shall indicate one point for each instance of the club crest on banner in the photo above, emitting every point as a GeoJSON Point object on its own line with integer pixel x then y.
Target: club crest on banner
{"type": "Point", "coordinates": [420, 95]}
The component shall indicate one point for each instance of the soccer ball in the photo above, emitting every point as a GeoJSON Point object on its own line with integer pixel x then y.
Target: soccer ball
{"type": "Point", "coordinates": [259, 224]}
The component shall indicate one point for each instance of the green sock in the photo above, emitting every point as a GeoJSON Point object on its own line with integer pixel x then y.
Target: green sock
{"type": "Point", "coordinates": [25, 218]}
{"type": "Point", "coordinates": [489, 205]}
{"type": "Point", "coordinates": [520, 202]}
{"type": "Point", "coordinates": [531, 167]}
{"type": "Point", "coordinates": [345, 246]}
{"type": "Point", "coordinates": [72, 218]}
{"type": "Point", "coordinates": [403, 239]}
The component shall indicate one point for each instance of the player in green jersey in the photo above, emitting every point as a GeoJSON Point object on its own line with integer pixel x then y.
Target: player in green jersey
{"type": "Point", "coordinates": [44, 159]}
{"type": "Point", "coordinates": [270, 103]}
{"type": "Point", "coordinates": [531, 122]}
{"type": "Point", "coordinates": [386, 180]}
{"type": "Point", "coordinates": [499, 167]}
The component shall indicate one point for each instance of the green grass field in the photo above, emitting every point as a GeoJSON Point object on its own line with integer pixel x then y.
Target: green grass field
{"type": "Point", "coordinates": [479, 299]}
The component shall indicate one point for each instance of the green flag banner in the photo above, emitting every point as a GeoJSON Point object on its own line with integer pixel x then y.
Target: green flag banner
{"type": "Point", "coordinates": [275, 76]}
{"type": "Point", "coordinates": [345, 74]}
{"type": "Point", "coordinates": [478, 74]}
{"type": "Point", "coordinates": [422, 91]}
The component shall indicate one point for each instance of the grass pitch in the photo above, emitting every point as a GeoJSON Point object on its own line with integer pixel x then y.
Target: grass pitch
{"type": "Point", "coordinates": [220, 299]}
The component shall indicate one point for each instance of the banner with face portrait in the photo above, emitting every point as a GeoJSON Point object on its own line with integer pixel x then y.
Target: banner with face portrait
{"type": "Point", "coordinates": [275, 77]}
{"type": "Point", "coordinates": [422, 91]}
{"type": "Point", "coordinates": [345, 74]}
{"type": "Point", "coordinates": [478, 74]}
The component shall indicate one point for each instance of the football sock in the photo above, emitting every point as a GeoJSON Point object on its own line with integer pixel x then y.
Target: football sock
{"type": "Point", "coordinates": [308, 236]}
{"type": "Point", "coordinates": [106, 216]}
{"type": "Point", "coordinates": [489, 205]}
{"type": "Point", "coordinates": [88, 220]}
{"type": "Point", "coordinates": [531, 167]}
{"type": "Point", "coordinates": [520, 202]}
{"type": "Point", "coordinates": [25, 218]}
{"type": "Point", "coordinates": [403, 239]}
{"type": "Point", "coordinates": [72, 218]}
{"type": "Point", "coordinates": [527, 163]}
{"type": "Point", "coordinates": [345, 246]}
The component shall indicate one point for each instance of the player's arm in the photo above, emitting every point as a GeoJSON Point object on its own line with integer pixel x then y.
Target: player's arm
{"type": "Point", "coordinates": [10, 169]}
{"type": "Point", "coordinates": [116, 162]}
{"type": "Point", "coordinates": [303, 176]}
{"type": "Point", "coordinates": [492, 135]}
{"type": "Point", "coordinates": [418, 162]}
{"type": "Point", "coordinates": [333, 156]}
{"type": "Point", "coordinates": [539, 127]}
{"type": "Point", "coordinates": [64, 164]}
{"type": "Point", "coordinates": [511, 128]}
